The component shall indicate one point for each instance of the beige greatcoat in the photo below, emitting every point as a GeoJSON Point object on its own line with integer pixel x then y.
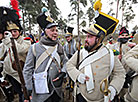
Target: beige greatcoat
{"type": "Point", "coordinates": [131, 59]}
{"type": "Point", "coordinates": [22, 47]}
{"type": "Point", "coordinates": [2, 51]}
{"type": "Point", "coordinates": [116, 46]}
{"type": "Point", "coordinates": [100, 69]}
{"type": "Point", "coordinates": [125, 49]}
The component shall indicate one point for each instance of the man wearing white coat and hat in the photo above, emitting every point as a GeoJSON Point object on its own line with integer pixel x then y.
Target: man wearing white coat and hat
{"type": "Point", "coordinates": [99, 75]}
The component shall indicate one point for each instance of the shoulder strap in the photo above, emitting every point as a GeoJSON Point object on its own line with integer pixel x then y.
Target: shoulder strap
{"type": "Point", "coordinates": [44, 55]}
{"type": "Point", "coordinates": [33, 49]}
{"type": "Point", "coordinates": [86, 57]}
{"type": "Point", "coordinates": [99, 54]}
{"type": "Point", "coordinates": [74, 45]}
{"type": "Point", "coordinates": [111, 61]}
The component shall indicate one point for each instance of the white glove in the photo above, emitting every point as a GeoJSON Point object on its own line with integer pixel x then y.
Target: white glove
{"type": "Point", "coordinates": [7, 34]}
{"type": "Point", "coordinates": [7, 40]}
{"type": "Point", "coordinates": [2, 79]}
{"type": "Point", "coordinates": [113, 93]}
{"type": "Point", "coordinates": [82, 78]}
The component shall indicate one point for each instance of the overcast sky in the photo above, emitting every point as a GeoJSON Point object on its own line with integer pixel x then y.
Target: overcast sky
{"type": "Point", "coordinates": [65, 9]}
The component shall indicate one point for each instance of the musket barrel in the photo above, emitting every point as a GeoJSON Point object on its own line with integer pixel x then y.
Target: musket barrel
{"type": "Point", "coordinates": [79, 40]}
{"type": "Point", "coordinates": [19, 69]}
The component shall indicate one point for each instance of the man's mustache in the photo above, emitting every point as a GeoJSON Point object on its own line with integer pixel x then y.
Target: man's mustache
{"type": "Point", "coordinates": [86, 42]}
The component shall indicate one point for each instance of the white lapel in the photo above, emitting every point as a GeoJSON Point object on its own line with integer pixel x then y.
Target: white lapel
{"type": "Point", "coordinates": [102, 52]}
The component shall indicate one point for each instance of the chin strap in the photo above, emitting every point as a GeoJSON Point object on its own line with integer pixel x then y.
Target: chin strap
{"type": "Point", "coordinates": [101, 36]}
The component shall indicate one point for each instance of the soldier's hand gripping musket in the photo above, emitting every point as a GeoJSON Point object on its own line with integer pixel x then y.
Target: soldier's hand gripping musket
{"type": "Point", "coordinates": [11, 22]}
{"type": "Point", "coordinates": [19, 69]}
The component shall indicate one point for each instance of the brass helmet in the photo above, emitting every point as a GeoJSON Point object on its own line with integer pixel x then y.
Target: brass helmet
{"type": "Point", "coordinates": [12, 26]}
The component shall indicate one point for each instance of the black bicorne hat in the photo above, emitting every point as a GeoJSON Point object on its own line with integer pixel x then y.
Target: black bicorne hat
{"type": "Point", "coordinates": [68, 30]}
{"type": "Point", "coordinates": [45, 21]}
{"type": "Point", "coordinates": [123, 30]}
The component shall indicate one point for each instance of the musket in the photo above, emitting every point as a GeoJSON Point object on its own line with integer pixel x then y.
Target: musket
{"type": "Point", "coordinates": [120, 50]}
{"type": "Point", "coordinates": [79, 40]}
{"type": "Point", "coordinates": [105, 91]}
{"type": "Point", "coordinates": [19, 69]}
{"type": "Point", "coordinates": [78, 54]}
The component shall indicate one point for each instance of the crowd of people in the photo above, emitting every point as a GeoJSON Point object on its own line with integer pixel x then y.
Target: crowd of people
{"type": "Point", "coordinates": [95, 73]}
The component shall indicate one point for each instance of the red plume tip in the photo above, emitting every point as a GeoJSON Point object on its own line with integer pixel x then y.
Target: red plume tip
{"type": "Point", "coordinates": [14, 4]}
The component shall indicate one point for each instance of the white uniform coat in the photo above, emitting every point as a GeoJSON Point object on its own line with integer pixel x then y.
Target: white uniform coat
{"type": "Point", "coordinates": [100, 69]}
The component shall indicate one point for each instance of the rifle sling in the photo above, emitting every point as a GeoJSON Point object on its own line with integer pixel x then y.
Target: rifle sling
{"type": "Point", "coordinates": [87, 57]}
{"type": "Point", "coordinates": [90, 54]}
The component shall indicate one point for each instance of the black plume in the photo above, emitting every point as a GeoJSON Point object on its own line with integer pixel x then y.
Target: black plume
{"type": "Point", "coordinates": [7, 15]}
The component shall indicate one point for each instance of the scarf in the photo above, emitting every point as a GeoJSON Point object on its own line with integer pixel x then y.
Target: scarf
{"type": "Point", "coordinates": [123, 40]}
{"type": "Point", "coordinates": [47, 41]}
